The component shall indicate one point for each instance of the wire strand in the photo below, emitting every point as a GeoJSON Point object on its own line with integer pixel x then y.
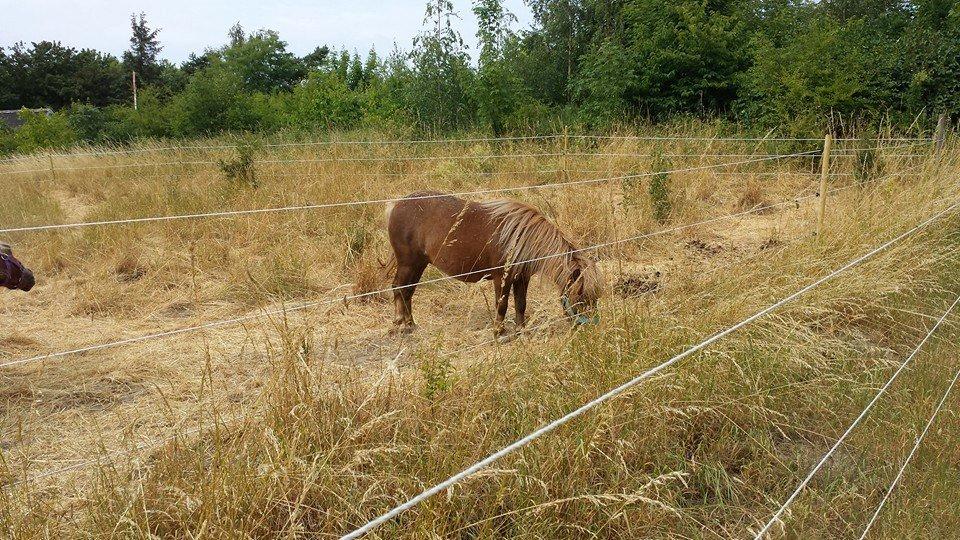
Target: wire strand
{"type": "Point", "coordinates": [305, 144]}
{"type": "Point", "coordinates": [326, 301]}
{"type": "Point", "coordinates": [856, 422]}
{"type": "Point", "coordinates": [913, 451]}
{"type": "Point", "coordinates": [520, 443]}
{"type": "Point", "coordinates": [838, 153]}
{"type": "Point", "coordinates": [304, 207]}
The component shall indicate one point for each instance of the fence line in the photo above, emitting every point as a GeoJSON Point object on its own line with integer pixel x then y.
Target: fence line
{"type": "Point", "coordinates": [462, 174]}
{"type": "Point", "coordinates": [461, 350]}
{"type": "Point", "coordinates": [327, 301]}
{"type": "Point", "coordinates": [304, 207]}
{"type": "Point", "coordinates": [738, 139]}
{"type": "Point", "coordinates": [133, 151]}
{"type": "Point", "coordinates": [856, 422]}
{"type": "Point", "coordinates": [913, 451]}
{"type": "Point", "coordinates": [548, 322]}
{"type": "Point", "coordinates": [379, 159]}
{"type": "Point", "coordinates": [375, 159]}
{"type": "Point", "coordinates": [163, 440]}
{"type": "Point", "coordinates": [520, 443]}
{"type": "Point", "coordinates": [290, 145]}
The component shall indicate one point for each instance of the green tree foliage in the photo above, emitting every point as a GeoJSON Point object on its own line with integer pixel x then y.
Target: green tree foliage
{"type": "Point", "coordinates": [799, 66]}
{"type": "Point", "coordinates": [439, 93]}
{"type": "Point", "coordinates": [214, 100]}
{"type": "Point", "coordinates": [47, 74]}
{"type": "Point", "coordinates": [262, 61]}
{"type": "Point", "coordinates": [324, 102]}
{"type": "Point", "coordinates": [42, 131]}
{"type": "Point", "coordinates": [144, 54]}
{"type": "Point", "coordinates": [563, 34]}
{"type": "Point", "coordinates": [500, 92]}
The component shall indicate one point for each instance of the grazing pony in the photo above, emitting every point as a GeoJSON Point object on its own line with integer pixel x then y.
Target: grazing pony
{"type": "Point", "coordinates": [13, 274]}
{"type": "Point", "coordinates": [504, 241]}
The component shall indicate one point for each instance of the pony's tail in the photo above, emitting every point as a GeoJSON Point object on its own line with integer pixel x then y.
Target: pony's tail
{"type": "Point", "coordinates": [388, 210]}
{"type": "Point", "coordinates": [388, 268]}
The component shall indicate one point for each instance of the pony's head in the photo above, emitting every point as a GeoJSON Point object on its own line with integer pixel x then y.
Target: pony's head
{"type": "Point", "coordinates": [13, 274]}
{"type": "Point", "coordinates": [581, 290]}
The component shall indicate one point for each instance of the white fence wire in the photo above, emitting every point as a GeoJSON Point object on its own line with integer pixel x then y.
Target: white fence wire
{"type": "Point", "coordinates": [776, 516]}
{"type": "Point", "coordinates": [520, 443]}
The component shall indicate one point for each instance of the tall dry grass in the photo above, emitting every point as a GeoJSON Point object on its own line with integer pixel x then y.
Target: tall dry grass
{"type": "Point", "coordinates": [312, 423]}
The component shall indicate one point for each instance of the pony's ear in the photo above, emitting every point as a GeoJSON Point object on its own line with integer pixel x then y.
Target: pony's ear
{"type": "Point", "coordinates": [5, 249]}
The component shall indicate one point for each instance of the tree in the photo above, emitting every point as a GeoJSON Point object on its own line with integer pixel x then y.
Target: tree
{"type": "Point", "coordinates": [99, 79]}
{"type": "Point", "coordinates": [236, 35]}
{"type": "Point", "coordinates": [195, 63]}
{"type": "Point", "coordinates": [555, 47]}
{"type": "Point", "coordinates": [439, 95]}
{"type": "Point", "coordinates": [317, 59]}
{"type": "Point", "coordinates": [372, 68]}
{"type": "Point", "coordinates": [143, 56]}
{"type": "Point", "coordinates": [355, 80]}
{"type": "Point", "coordinates": [263, 63]}
{"type": "Point", "coordinates": [214, 100]}
{"type": "Point", "coordinates": [499, 90]}
{"type": "Point", "coordinates": [688, 55]}
{"type": "Point", "coordinates": [47, 74]}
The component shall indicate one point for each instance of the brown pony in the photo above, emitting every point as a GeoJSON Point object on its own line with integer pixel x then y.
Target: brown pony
{"type": "Point", "coordinates": [504, 241]}
{"type": "Point", "coordinates": [13, 274]}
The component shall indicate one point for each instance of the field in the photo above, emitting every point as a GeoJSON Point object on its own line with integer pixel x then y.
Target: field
{"type": "Point", "coordinates": [306, 419]}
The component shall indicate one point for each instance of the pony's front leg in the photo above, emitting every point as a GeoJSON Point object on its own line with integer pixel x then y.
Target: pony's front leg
{"type": "Point", "coordinates": [405, 283]}
{"type": "Point", "coordinates": [520, 300]}
{"type": "Point", "coordinates": [501, 290]}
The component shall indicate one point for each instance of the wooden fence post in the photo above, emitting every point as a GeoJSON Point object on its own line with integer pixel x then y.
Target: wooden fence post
{"type": "Point", "coordinates": [563, 172]}
{"type": "Point", "coordinates": [940, 136]}
{"type": "Point", "coordinates": [824, 173]}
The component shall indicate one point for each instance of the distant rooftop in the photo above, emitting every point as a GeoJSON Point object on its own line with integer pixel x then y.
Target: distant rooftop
{"type": "Point", "coordinates": [11, 118]}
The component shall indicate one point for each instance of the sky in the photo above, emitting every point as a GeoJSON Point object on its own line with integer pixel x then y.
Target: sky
{"type": "Point", "coordinates": [193, 25]}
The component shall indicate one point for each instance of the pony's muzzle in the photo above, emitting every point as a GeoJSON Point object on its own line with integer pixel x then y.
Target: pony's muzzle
{"type": "Point", "coordinates": [27, 280]}
{"type": "Point", "coordinates": [577, 314]}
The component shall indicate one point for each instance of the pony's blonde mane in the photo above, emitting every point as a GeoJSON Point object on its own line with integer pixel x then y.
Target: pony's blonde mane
{"type": "Point", "coordinates": [533, 244]}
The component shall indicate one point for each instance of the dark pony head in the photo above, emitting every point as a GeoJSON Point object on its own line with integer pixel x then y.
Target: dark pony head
{"type": "Point", "coordinates": [13, 274]}
{"type": "Point", "coordinates": [581, 290]}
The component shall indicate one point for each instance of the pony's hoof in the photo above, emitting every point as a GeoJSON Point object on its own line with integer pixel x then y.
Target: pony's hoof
{"type": "Point", "coordinates": [402, 330]}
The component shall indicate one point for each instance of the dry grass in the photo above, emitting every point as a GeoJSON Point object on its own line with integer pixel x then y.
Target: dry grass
{"type": "Point", "coordinates": [315, 422]}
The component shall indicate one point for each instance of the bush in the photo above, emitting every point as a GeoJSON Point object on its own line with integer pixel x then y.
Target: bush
{"type": "Point", "coordinates": [44, 131]}
{"type": "Point", "coordinates": [323, 102]}
{"type": "Point", "coordinates": [214, 101]}
{"type": "Point", "coordinates": [867, 166]}
{"type": "Point", "coordinates": [240, 169]}
{"type": "Point", "coordinates": [88, 122]}
{"type": "Point", "coordinates": [660, 191]}
{"type": "Point", "coordinates": [8, 144]}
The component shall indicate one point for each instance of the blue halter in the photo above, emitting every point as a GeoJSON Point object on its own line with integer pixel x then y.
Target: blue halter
{"type": "Point", "coordinates": [578, 318]}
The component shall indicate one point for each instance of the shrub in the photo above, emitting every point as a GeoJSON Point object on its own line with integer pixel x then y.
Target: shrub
{"type": "Point", "coordinates": [323, 102]}
{"type": "Point", "coordinates": [240, 169]}
{"type": "Point", "coordinates": [88, 122]}
{"type": "Point", "coordinates": [8, 144]}
{"type": "Point", "coordinates": [44, 131]}
{"type": "Point", "coordinates": [660, 191]}
{"type": "Point", "coordinates": [214, 101]}
{"type": "Point", "coordinates": [867, 166]}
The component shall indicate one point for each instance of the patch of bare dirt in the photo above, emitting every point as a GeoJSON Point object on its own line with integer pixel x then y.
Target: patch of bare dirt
{"type": "Point", "coordinates": [632, 285]}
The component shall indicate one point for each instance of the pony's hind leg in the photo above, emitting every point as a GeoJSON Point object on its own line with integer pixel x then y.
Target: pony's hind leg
{"type": "Point", "coordinates": [405, 283]}
{"type": "Point", "coordinates": [520, 300]}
